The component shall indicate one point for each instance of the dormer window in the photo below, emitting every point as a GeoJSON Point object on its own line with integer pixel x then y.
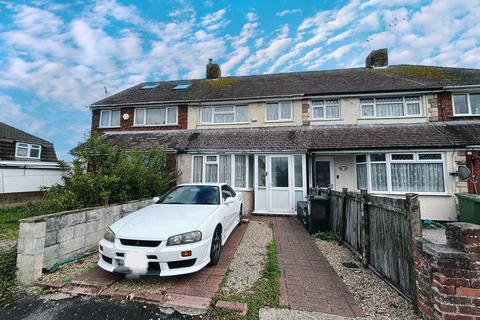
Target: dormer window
{"type": "Point", "coordinates": [466, 104]}
{"type": "Point", "coordinates": [27, 150]}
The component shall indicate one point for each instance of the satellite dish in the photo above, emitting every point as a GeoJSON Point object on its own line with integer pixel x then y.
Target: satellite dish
{"type": "Point", "coordinates": [463, 173]}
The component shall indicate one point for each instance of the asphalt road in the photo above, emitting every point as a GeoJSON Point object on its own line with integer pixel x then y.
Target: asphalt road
{"type": "Point", "coordinates": [76, 308]}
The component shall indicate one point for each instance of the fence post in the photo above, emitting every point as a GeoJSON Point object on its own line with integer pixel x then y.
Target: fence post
{"type": "Point", "coordinates": [412, 205]}
{"type": "Point", "coordinates": [365, 227]}
{"type": "Point", "coordinates": [343, 213]}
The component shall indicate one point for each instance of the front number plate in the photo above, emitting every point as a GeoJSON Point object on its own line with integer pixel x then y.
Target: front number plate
{"type": "Point", "coordinates": [136, 261]}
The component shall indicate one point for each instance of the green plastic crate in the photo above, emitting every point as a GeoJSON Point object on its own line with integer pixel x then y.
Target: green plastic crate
{"type": "Point", "coordinates": [469, 207]}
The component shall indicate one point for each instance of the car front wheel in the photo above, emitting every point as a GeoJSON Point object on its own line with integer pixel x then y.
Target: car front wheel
{"type": "Point", "coordinates": [215, 247]}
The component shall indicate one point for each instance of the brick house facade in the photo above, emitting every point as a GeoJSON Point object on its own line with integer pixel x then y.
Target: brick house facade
{"type": "Point", "coordinates": [320, 128]}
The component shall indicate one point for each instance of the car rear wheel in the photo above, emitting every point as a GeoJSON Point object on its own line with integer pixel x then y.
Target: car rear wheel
{"type": "Point", "coordinates": [215, 247]}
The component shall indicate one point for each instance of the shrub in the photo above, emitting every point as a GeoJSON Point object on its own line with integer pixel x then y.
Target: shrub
{"type": "Point", "coordinates": [103, 173]}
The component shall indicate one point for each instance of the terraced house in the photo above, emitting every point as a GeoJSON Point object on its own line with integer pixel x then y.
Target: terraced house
{"type": "Point", "coordinates": [389, 129]}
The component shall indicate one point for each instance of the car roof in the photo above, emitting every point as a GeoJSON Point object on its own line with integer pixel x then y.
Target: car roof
{"type": "Point", "coordinates": [203, 184]}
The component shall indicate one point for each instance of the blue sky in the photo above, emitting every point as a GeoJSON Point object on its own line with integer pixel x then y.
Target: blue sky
{"type": "Point", "coordinates": [57, 57]}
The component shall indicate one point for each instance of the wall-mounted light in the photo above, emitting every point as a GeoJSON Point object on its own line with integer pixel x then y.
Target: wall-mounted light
{"type": "Point", "coordinates": [343, 167]}
{"type": "Point", "coordinates": [126, 116]}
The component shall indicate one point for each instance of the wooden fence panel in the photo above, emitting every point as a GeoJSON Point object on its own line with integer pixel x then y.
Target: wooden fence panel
{"type": "Point", "coordinates": [386, 226]}
{"type": "Point", "coordinates": [353, 221]}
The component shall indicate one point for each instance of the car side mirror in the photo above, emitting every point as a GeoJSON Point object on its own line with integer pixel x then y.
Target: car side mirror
{"type": "Point", "coordinates": [155, 199]}
{"type": "Point", "coordinates": [229, 200]}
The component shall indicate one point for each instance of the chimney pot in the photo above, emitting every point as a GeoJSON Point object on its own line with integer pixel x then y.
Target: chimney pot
{"type": "Point", "coordinates": [377, 58]}
{"type": "Point", "coordinates": [213, 70]}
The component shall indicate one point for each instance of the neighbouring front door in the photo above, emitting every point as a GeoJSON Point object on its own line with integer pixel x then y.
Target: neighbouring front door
{"type": "Point", "coordinates": [280, 181]}
{"type": "Point", "coordinates": [323, 173]}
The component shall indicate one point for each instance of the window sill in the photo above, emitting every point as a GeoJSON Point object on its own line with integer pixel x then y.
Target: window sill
{"type": "Point", "coordinates": [277, 121]}
{"type": "Point", "coordinates": [332, 119]}
{"type": "Point", "coordinates": [31, 158]}
{"type": "Point", "coordinates": [466, 115]}
{"type": "Point", "coordinates": [403, 117]}
{"type": "Point", "coordinates": [154, 125]}
{"type": "Point", "coordinates": [108, 127]}
{"type": "Point", "coordinates": [444, 194]}
{"type": "Point", "coordinates": [222, 123]}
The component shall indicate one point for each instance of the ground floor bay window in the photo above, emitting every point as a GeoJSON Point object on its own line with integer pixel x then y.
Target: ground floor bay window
{"type": "Point", "coordinates": [422, 173]}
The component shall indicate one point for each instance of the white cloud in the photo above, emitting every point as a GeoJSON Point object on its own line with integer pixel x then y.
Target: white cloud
{"type": "Point", "coordinates": [288, 11]}
{"type": "Point", "coordinates": [14, 115]}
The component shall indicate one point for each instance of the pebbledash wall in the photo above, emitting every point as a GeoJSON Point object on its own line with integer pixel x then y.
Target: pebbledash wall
{"type": "Point", "coordinates": [46, 240]}
{"type": "Point", "coordinates": [448, 276]}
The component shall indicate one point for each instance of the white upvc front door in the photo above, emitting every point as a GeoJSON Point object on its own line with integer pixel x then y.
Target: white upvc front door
{"type": "Point", "coordinates": [280, 181]}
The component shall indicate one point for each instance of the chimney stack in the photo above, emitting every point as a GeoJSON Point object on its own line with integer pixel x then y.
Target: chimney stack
{"type": "Point", "coordinates": [213, 70]}
{"type": "Point", "coordinates": [377, 59]}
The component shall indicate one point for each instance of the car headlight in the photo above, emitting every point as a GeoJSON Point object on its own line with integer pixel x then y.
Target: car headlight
{"type": "Point", "coordinates": [184, 238]}
{"type": "Point", "coordinates": [109, 235]}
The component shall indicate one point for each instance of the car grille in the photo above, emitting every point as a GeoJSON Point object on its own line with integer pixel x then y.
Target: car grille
{"type": "Point", "coordinates": [140, 243]}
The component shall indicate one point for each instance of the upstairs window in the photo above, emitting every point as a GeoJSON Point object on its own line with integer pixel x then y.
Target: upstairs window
{"type": "Point", "coordinates": [325, 109]}
{"type": "Point", "coordinates": [467, 104]}
{"type": "Point", "coordinates": [26, 150]}
{"type": "Point", "coordinates": [391, 107]}
{"type": "Point", "coordinates": [109, 118]}
{"type": "Point", "coordinates": [281, 111]}
{"type": "Point", "coordinates": [155, 116]}
{"type": "Point", "coordinates": [224, 114]}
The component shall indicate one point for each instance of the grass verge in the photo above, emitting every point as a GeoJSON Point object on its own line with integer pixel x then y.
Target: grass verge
{"type": "Point", "coordinates": [265, 293]}
{"type": "Point", "coordinates": [8, 261]}
{"type": "Point", "coordinates": [9, 218]}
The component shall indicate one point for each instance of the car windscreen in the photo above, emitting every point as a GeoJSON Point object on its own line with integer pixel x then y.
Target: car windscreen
{"type": "Point", "coordinates": [191, 195]}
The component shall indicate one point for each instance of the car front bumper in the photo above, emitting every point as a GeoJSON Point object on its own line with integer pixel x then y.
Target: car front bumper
{"type": "Point", "coordinates": [162, 260]}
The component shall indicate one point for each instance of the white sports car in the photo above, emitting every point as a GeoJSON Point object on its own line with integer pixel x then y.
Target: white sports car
{"type": "Point", "coordinates": [180, 233]}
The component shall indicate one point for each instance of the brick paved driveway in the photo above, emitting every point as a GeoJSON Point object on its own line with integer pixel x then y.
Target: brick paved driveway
{"type": "Point", "coordinates": [193, 291]}
{"type": "Point", "coordinates": [308, 282]}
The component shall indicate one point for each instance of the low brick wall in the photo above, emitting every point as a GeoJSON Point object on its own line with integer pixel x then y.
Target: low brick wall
{"type": "Point", "coordinates": [448, 276]}
{"type": "Point", "coordinates": [46, 240]}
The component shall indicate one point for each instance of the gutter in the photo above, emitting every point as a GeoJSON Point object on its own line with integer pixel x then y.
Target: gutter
{"type": "Point", "coordinates": [468, 86]}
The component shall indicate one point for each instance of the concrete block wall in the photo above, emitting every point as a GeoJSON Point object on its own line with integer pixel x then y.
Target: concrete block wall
{"type": "Point", "coordinates": [448, 276]}
{"type": "Point", "coordinates": [46, 240]}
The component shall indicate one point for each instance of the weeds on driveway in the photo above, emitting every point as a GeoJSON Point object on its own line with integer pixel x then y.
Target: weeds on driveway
{"type": "Point", "coordinates": [325, 235]}
{"type": "Point", "coordinates": [265, 293]}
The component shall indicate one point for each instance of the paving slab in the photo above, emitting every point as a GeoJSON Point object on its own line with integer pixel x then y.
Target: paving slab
{"type": "Point", "coordinates": [308, 282]}
{"type": "Point", "coordinates": [288, 314]}
{"type": "Point", "coordinates": [96, 277]}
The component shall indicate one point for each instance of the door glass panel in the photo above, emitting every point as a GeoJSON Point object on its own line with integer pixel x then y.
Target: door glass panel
{"type": "Point", "coordinates": [322, 174]}
{"type": "Point", "coordinates": [261, 171]}
{"type": "Point", "coordinates": [297, 160]}
{"type": "Point", "coordinates": [280, 172]}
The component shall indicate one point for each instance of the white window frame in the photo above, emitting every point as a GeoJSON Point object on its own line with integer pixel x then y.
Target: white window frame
{"type": "Point", "coordinates": [388, 161]}
{"type": "Point", "coordinates": [29, 147]}
{"type": "Point", "coordinates": [324, 105]}
{"type": "Point", "coordinates": [469, 105]}
{"type": "Point", "coordinates": [279, 111]}
{"type": "Point", "coordinates": [232, 168]}
{"type": "Point", "coordinates": [212, 118]}
{"type": "Point", "coordinates": [109, 112]}
{"type": "Point", "coordinates": [404, 102]}
{"type": "Point", "coordinates": [144, 122]}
